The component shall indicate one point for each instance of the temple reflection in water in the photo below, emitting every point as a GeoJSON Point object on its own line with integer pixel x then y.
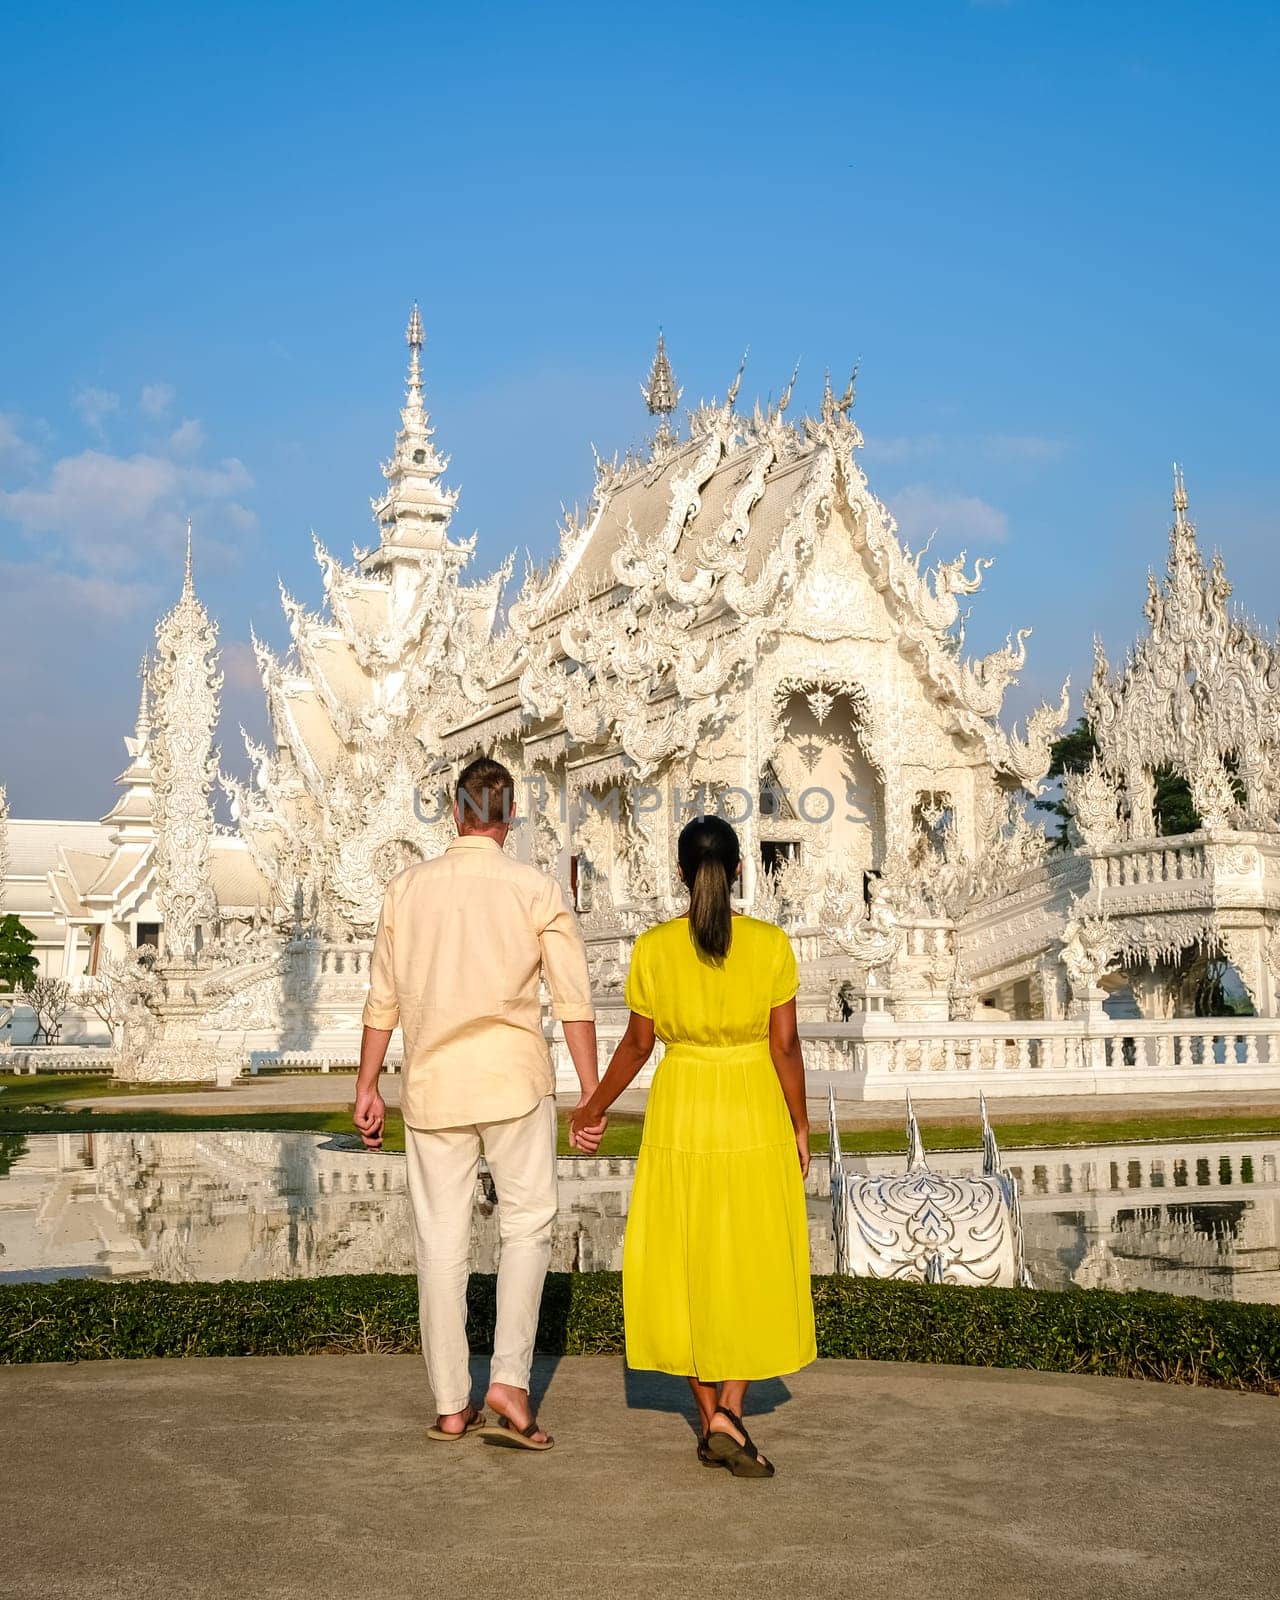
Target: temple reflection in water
{"type": "Point", "coordinates": [1200, 1219]}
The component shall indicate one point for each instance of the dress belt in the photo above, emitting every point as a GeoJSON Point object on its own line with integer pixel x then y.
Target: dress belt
{"type": "Point", "coordinates": [719, 1054]}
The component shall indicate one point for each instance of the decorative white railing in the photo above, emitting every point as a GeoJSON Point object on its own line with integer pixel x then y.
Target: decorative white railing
{"type": "Point", "coordinates": [1150, 861]}
{"type": "Point", "coordinates": [33, 1058]}
{"type": "Point", "coordinates": [1047, 1057]}
{"type": "Point", "coordinates": [333, 960]}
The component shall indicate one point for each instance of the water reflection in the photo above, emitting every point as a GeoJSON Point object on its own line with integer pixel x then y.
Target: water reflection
{"type": "Point", "coordinates": [1199, 1219]}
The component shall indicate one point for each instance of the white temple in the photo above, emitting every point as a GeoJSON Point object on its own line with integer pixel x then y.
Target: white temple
{"type": "Point", "coordinates": [734, 623]}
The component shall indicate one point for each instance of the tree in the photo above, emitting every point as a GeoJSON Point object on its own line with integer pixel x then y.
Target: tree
{"type": "Point", "coordinates": [110, 993]}
{"type": "Point", "coordinates": [49, 999]}
{"type": "Point", "coordinates": [17, 963]}
{"type": "Point", "coordinates": [1073, 752]}
{"type": "Point", "coordinates": [1171, 799]}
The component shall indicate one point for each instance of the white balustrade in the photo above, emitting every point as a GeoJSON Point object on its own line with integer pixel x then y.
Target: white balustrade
{"type": "Point", "coordinates": [1091, 1055]}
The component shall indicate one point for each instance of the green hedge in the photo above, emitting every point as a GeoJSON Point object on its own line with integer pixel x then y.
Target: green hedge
{"type": "Point", "coordinates": [1088, 1331]}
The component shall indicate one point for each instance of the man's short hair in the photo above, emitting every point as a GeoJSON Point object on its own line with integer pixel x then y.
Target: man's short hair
{"type": "Point", "coordinates": [485, 795]}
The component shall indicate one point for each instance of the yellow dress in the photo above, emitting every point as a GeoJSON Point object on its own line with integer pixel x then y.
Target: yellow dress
{"type": "Point", "coordinates": [715, 1265]}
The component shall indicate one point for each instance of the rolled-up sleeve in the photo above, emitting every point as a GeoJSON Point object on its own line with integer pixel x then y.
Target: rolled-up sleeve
{"type": "Point", "coordinates": [382, 1008]}
{"type": "Point", "coordinates": [564, 958]}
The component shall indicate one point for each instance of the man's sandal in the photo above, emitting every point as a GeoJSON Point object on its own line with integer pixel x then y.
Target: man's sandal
{"type": "Point", "coordinates": [743, 1460]}
{"type": "Point", "coordinates": [475, 1419]}
{"type": "Point", "coordinates": [510, 1437]}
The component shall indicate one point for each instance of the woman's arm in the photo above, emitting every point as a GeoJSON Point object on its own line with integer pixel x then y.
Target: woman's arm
{"type": "Point", "coordinates": [788, 1063]}
{"type": "Point", "coordinates": [634, 1049]}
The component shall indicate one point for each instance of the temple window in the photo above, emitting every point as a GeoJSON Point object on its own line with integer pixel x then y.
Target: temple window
{"type": "Point", "coordinates": [774, 852]}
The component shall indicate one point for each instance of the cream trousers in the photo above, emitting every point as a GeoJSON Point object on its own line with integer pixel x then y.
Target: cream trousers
{"type": "Point", "coordinates": [443, 1165]}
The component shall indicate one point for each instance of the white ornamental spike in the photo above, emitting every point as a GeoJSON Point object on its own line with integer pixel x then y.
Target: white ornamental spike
{"type": "Point", "coordinates": [839, 1198]}
{"type": "Point", "coordinates": [915, 1144]}
{"type": "Point", "coordinates": [990, 1149]}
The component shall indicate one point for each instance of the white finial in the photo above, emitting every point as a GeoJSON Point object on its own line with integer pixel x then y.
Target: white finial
{"type": "Point", "coordinates": [660, 393]}
{"type": "Point", "coordinates": [787, 392]}
{"type": "Point", "coordinates": [144, 697]}
{"type": "Point", "coordinates": [915, 1144]}
{"type": "Point", "coordinates": [1179, 495]}
{"type": "Point", "coordinates": [737, 382]}
{"type": "Point", "coordinates": [414, 338]}
{"type": "Point", "coordinates": [188, 589]}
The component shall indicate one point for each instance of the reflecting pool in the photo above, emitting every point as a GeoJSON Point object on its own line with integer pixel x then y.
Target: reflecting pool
{"type": "Point", "coordinates": [1193, 1218]}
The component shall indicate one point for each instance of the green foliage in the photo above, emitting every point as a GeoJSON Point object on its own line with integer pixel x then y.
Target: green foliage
{"type": "Point", "coordinates": [17, 964]}
{"type": "Point", "coordinates": [1071, 753]}
{"type": "Point", "coordinates": [1094, 1331]}
{"type": "Point", "coordinates": [1172, 804]}
{"type": "Point", "coordinates": [1075, 750]}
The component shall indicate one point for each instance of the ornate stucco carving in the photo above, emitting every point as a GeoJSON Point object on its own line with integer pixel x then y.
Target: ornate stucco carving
{"type": "Point", "coordinates": [185, 686]}
{"type": "Point", "coordinates": [733, 600]}
{"type": "Point", "coordinates": [1198, 696]}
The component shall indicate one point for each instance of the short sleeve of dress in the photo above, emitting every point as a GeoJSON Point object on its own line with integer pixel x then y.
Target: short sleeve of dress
{"type": "Point", "coordinates": [639, 990]}
{"type": "Point", "coordinates": [786, 978]}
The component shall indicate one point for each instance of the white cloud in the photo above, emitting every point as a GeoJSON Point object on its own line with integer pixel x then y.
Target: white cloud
{"type": "Point", "coordinates": [921, 509]}
{"type": "Point", "coordinates": [187, 439]}
{"type": "Point", "coordinates": [156, 398]}
{"type": "Point", "coordinates": [95, 405]}
{"type": "Point", "coordinates": [891, 449]}
{"type": "Point", "coordinates": [240, 666]}
{"type": "Point", "coordinates": [111, 512]}
{"type": "Point", "coordinates": [17, 454]}
{"type": "Point", "coordinates": [35, 595]}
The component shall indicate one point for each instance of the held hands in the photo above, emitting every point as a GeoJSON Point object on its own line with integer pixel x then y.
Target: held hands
{"type": "Point", "coordinates": [586, 1132]}
{"type": "Point", "coordinates": [370, 1117]}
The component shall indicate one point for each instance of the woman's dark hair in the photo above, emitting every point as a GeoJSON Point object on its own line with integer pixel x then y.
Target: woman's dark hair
{"type": "Point", "coordinates": [709, 854]}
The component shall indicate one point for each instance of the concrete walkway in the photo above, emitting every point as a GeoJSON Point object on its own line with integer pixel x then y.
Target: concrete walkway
{"type": "Point", "coordinates": [311, 1478]}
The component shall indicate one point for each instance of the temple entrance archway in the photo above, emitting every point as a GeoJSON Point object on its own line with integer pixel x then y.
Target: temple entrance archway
{"type": "Point", "coordinates": [822, 797]}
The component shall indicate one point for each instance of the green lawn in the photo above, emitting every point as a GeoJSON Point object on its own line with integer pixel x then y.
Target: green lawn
{"type": "Point", "coordinates": [23, 1103]}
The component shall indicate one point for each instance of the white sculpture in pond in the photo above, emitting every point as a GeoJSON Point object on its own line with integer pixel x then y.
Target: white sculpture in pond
{"type": "Point", "coordinates": [926, 1227]}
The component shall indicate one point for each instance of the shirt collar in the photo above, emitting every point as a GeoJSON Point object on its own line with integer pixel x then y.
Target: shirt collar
{"type": "Point", "coordinates": [473, 841]}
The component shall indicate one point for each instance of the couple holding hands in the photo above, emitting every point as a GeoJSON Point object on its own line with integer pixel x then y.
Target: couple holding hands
{"type": "Point", "coordinates": [716, 1257]}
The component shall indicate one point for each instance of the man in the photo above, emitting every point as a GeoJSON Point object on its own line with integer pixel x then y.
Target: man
{"type": "Point", "coordinates": [461, 946]}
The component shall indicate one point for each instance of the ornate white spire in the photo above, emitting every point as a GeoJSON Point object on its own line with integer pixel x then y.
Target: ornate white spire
{"type": "Point", "coordinates": [188, 591]}
{"type": "Point", "coordinates": [660, 393]}
{"type": "Point", "coordinates": [414, 513]}
{"type": "Point", "coordinates": [186, 683]}
{"type": "Point", "coordinates": [142, 726]}
{"type": "Point", "coordinates": [1183, 530]}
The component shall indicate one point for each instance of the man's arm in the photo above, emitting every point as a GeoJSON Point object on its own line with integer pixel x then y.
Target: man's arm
{"type": "Point", "coordinates": [381, 1013]}
{"type": "Point", "coordinates": [564, 963]}
{"type": "Point", "coordinates": [580, 1037]}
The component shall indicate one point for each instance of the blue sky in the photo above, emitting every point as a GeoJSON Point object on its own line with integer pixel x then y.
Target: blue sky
{"type": "Point", "coordinates": [1049, 231]}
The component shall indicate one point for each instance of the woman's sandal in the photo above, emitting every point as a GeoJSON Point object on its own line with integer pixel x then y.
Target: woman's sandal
{"type": "Point", "coordinates": [475, 1420]}
{"type": "Point", "coordinates": [704, 1453]}
{"type": "Point", "coordinates": [510, 1437]}
{"type": "Point", "coordinates": [743, 1460]}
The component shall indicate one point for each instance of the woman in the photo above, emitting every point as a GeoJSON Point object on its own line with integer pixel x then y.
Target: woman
{"type": "Point", "coordinates": [715, 1267]}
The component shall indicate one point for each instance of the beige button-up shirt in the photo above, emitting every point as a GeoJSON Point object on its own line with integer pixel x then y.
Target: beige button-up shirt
{"type": "Point", "coordinates": [462, 942]}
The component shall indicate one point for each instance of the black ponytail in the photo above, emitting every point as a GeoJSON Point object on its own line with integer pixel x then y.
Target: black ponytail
{"type": "Point", "coordinates": [709, 854]}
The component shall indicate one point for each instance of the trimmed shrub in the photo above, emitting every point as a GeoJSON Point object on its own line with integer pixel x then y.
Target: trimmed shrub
{"type": "Point", "coordinates": [1092, 1331]}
